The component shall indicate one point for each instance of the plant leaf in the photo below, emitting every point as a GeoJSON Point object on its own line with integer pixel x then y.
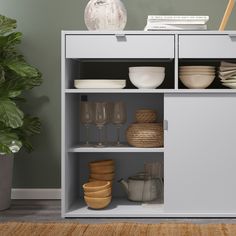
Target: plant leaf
{"type": "Point", "coordinates": [2, 75]}
{"type": "Point", "coordinates": [9, 142]}
{"type": "Point", "coordinates": [22, 69]}
{"type": "Point", "coordinates": [9, 41]}
{"type": "Point", "coordinates": [10, 114]}
{"type": "Point", "coordinates": [6, 24]}
{"type": "Point", "coordinates": [31, 125]}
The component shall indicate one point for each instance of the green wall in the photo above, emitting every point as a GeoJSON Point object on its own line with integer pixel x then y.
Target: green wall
{"type": "Point", "coordinates": [41, 22]}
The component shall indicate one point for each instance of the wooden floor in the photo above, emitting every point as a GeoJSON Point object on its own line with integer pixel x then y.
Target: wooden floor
{"type": "Point", "coordinates": [50, 210]}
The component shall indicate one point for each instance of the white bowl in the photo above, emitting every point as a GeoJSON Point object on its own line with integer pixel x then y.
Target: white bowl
{"type": "Point", "coordinates": [197, 81]}
{"type": "Point", "coordinates": [146, 80]}
{"type": "Point", "coordinates": [147, 69]}
{"type": "Point", "coordinates": [196, 73]}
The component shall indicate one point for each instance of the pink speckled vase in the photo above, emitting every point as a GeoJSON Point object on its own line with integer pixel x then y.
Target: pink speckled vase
{"type": "Point", "coordinates": [105, 15]}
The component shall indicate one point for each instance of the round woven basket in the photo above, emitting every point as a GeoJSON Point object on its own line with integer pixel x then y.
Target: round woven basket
{"type": "Point", "coordinates": [145, 116]}
{"type": "Point", "coordinates": [145, 135]}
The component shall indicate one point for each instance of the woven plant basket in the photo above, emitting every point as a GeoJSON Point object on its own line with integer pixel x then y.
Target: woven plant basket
{"type": "Point", "coordinates": [145, 116]}
{"type": "Point", "coordinates": [145, 135]}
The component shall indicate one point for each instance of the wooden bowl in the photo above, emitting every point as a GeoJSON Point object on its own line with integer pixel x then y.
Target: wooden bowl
{"type": "Point", "coordinates": [145, 135]}
{"type": "Point", "coordinates": [97, 203]}
{"type": "Point", "coordinates": [102, 169]}
{"type": "Point", "coordinates": [107, 177]}
{"type": "Point", "coordinates": [145, 116]}
{"type": "Point", "coordinates": [101, 163]}
{"type": "Point", "coordinates": [96, 186]}
{"type": "Point", "coordinates": [98, 194]}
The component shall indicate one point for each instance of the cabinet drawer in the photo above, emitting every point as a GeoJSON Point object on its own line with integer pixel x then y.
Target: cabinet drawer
{"type": "Point", "coordinates": [207, 46]}
{"type": "Point", "coordinates": [119, 46]}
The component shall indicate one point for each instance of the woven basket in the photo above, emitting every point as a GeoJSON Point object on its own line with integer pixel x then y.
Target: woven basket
{"type": "Point", "coordinates": [145, 135]}
{"type": "Point", "coordinates": [146, 116]}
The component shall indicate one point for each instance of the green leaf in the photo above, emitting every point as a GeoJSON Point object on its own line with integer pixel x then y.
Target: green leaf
{"type": "Point", "coordinates": [9, 142]}
{"type": "Point", "coordinates": [2, 75]}
{"type": "Point", "coordinates": [22, 69]}
{"type": "Point", "coordinates": [6, 25]}
{"type": "Point", "coordinates": [10, 114]}
{"type": "Point", "coordinates": [31, 125]}
{"type": "Point", "coordinates": [10, 40]}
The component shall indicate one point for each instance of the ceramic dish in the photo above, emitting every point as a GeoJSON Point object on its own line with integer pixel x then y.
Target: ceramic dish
{"type": "Point", "coordinates": [147, 69]}
{"type": "Point", "coordinates": [99, 84]}
{"type": "Point", "coordinates": [228, 80]}
{"type": "Point", "coordinates": [197, 81]}
{"type": "Point", "coordinates": [146, 80]}
{"type": "Point", "coordinates": [97, 203]}
{"type": "Point", "coordinates": [197, 67]}
{"type": "Point", "coordinates": [230, 85]}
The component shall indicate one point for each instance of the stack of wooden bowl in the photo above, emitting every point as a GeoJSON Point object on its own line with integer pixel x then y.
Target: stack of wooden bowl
{"type": "Point", "coordinates": [102, 170]}
{"type": "Point", "coordinates": [146, 132]}
{"type": "Point", "coordinates": [97, 194]}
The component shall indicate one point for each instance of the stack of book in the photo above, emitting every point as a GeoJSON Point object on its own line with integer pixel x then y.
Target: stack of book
{"type": "Point", "coordinates": [166, 22]}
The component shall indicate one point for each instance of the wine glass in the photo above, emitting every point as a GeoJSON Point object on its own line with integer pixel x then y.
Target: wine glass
{"type": "Point", "coordinates": [86, 118]}
{"type": "Point", "coordinates": [118, 118]}
{"type": "Point", "coordinates": [101, 117]}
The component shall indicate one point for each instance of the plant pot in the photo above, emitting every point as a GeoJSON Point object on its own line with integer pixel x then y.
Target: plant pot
{"type": "Point", "coordinates": [6, 172]}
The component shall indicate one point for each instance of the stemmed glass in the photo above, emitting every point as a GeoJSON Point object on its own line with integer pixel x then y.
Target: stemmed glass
{"type": "Point", "coordinates": [101, 117]}
{"type": "Point", "coordinates": [86, 118]}
{"type": "Point", "coordinates": [118, 118]}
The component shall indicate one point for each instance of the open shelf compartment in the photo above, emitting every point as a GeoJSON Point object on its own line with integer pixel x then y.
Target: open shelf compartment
{"type": "Point", "coordinates": [120, 205]}
{"type": "Point", "coordinates": [216, 84]}
{"type": "Point", "coordinates": [115, 69]}
{"type": "Point", "coordinates": [75, 132]}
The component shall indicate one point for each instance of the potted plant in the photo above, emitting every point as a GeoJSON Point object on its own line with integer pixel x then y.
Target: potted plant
{"type": "Point", "coordinates": [16, 128]}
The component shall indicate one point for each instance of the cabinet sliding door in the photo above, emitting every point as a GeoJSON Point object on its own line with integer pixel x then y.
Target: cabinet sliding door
{"type": "Point", "coordinates": [200, 153]}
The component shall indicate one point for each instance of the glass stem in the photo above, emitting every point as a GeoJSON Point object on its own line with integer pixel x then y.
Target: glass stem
{"type": "Point", "coordinates": [87, 134]}
{"type": "Point", "coordinates": [100, 135]}
{"type": "Point", "coordinates": [118, 134]}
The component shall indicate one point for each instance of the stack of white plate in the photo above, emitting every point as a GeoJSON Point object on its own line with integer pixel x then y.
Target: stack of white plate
{"type": "Point", "coordinates": [227, 74]}
{"type": "Point", "coordinates": [197, 77]}
{"type": "Point", "coordinates": [99, 84]}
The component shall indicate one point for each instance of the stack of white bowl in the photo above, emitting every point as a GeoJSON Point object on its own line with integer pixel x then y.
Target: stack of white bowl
{"type": "Point", "coordinates": [227, 74]}
{"type": "Point", "coordinates": [147, 77]}
{"type": "Point", "coordinates": [197, 77]}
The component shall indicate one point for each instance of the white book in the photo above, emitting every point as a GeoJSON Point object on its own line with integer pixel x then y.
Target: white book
{"type": "Point", "coordinates": [175, 27]}
{"type": "Point", "coordinates": [178, 17]}
{"type": "Point", "coordinates": [153, 22]}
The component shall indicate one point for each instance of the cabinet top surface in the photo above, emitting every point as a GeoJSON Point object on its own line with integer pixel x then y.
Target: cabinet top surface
{"type": "Point", "coordinates": [207, 32]}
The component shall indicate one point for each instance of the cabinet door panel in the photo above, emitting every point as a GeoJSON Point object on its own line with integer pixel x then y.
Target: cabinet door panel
{"type": "Point", "coordinates": [124, 46]}
{"type": "Point", "coordinates": [200, 153]}
{"type": "Point", "coordinates": [207, 46]}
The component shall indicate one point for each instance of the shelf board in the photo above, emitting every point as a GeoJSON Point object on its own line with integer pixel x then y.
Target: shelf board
{"type": "Point", "coordinates": [119, 90]}
{"type": "Point", "coordinates": [114, 149]}
{"type": "Point", "coordinates": [122, 208]}
{"type": "Point", "coordinates": [75, 91]}
{"type": "Point", "coordinates": [119, 207]}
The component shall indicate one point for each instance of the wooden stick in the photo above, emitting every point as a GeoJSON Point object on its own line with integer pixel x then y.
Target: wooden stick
{"type": "Point", "coordinates": [227, 14]}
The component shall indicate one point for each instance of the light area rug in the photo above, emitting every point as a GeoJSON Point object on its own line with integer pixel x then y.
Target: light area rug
{"type": "Point", "coordinates": [123, 229]}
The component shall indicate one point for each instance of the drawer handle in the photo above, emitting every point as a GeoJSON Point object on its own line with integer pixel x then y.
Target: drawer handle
{"type": "Point", "coordinates": [232, 37]}
{"type": "Point", "coordinates": [121, 37]}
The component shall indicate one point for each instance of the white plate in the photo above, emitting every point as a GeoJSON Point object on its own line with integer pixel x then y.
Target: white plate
{"type": "Point", "coordinates": [228, 80]}
{"type": "Point", "coordinates": [227, 64]}
{"type": "Point", "coordinates": [230, 85]}
{"type": "Point", "coordinates": [223, 69]}
{"type": "Point", "coordinates": [99, 84]}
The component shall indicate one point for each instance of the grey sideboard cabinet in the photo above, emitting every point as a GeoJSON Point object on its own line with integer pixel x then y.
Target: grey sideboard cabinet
{"type": "Point", "coordinates": [199, 153]}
